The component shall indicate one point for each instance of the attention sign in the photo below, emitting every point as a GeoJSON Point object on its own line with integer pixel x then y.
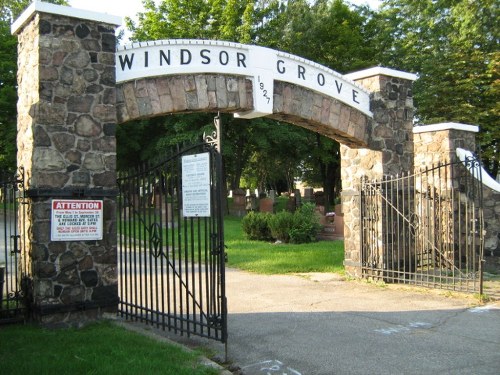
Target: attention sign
{"type": "Point", "coordinates": [76, 220]}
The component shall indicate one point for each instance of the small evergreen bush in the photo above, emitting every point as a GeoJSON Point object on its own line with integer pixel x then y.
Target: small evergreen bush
{"type": "Point", "coordinates": [280, 225]}
{"type": "Point", "coordinates": [306, 225]}
{"type": "Point", "coordinates": [300, 227]}
{"type": "Point", "coordinates": [256, 226]}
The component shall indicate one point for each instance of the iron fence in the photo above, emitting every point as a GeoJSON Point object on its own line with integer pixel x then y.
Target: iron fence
{"type": "Point", "coordinates": [425, 228]}
{"type": "Point", "coordinates": [171, 266]}
{"type": "Point", "coordinates": [13, 305]}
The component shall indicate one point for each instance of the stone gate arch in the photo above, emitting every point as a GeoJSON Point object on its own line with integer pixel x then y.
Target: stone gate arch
{"type": "Point", "coordinates": [74, 87]}
{"type": "Point", "coordinates": [172, 76]}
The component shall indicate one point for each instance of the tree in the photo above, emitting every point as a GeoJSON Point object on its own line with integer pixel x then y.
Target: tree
{"type": "Point", "coordinates": [9, 11]}
{"type": "Point", "coordinates": [322, 166]}
{"type": "Point", "coordinates": [329, 32]}
{"type": "Point", "coordinates": [8, 99]}
{"type": "Point", "coordinates": [335, 35]}
{"type": "Point", "coordinates": [453, 46]}
{"type": "Point", "coordinates": [274, 164]}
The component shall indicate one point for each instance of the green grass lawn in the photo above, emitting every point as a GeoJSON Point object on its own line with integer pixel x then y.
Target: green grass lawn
{"type": "Point", "coordinates": [101, 348]}
{"type": "Point", "coordinates": [270, 258]}
{"type": "Point", "coordinates": [258, 256]}
{"type": "Point", "coordinates": [104, 348]}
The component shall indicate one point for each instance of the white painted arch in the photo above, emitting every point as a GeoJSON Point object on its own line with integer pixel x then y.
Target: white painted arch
{"type": "Point", "coordinates": [262, 65]}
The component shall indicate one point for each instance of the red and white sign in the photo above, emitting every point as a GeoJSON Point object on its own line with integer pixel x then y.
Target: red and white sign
{"type": "Point", "coordinates": [76, 220]}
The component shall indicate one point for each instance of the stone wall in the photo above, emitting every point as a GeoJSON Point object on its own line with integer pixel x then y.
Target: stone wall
{"type": "Point", "coordinates": [437, 144]}
{"type": "Point", "coordinates": [319, 113]}
{"type": "Point", "coordinates": [67, 147]}
{"type": "Point", "coordinates": [433, 147]}
{"type": "Point", "coordinates": [390, 153]}
{"type": "Point", "coordinates": [149, 97]}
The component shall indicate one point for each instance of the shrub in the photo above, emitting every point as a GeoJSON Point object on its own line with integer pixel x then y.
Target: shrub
{"type": "Point", "coordinates": [300, 227]}
{"type": "Point", "coordinates": [256, 226]}
{"type": "Point", "coordinates": [306, 225]}
{"type": "Point", "coordinates": [280, 225]}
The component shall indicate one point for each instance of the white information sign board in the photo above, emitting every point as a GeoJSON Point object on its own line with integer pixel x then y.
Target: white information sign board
{"type": "Point", "coordinates": [76, 220]}
{"type": "Point", "coordinates": [196, 185]}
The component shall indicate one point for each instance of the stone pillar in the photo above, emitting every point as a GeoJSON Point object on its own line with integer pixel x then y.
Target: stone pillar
{"type": "Point", "coordinates": [308, 195]}
{"type": "Point", "coordinates": [66, 145]}
{"type": "Point", "coordinates": [438, 143]}
{"type": "Point", "coordinates": [390, 150]}
{"type": "Point", "coordinates": [238, 206]}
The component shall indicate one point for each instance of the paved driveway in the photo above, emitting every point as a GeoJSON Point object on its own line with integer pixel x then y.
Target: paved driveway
{"type": "Point", "coordinates": [321, 324]}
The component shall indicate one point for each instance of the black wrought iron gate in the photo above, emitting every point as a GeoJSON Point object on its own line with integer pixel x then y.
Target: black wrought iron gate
{"type": "Point", "coordinates": [13, 266]}
{"type": "Point", "coordinates": [425, 228]}
{"type": "Point", "coordinates": [171, 244]}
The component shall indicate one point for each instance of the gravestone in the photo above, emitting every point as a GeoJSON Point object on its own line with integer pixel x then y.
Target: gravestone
{"type": "Point", "coordinates": [308, 195]}
{"type": "Point", "coordinates": [238, 207]}
{"type": "Point", "coordinates": [266, 205]}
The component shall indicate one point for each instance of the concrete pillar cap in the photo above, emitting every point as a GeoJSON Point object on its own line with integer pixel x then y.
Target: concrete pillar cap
{"type": "Point", "coordinates": [445, 126]}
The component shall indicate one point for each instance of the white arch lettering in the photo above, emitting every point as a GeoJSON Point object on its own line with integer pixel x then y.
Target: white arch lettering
{"type": "Point", "coordinates": [262, 65]}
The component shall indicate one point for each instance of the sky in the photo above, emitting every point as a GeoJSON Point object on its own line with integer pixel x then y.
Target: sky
{"type": "Point", "coordinates": [130, 8]}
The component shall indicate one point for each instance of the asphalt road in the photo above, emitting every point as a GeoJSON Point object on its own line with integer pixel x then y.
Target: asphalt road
{"type": "Point", "coordinates": [322, 324]}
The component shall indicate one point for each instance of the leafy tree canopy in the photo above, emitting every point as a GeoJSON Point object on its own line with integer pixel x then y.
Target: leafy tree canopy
{"type": "Point", "coordinates": [9, 11]}
{"type": "Point", "coordinates": [328, 32]}
{"type": "Point", "coordinates": [453, 47]}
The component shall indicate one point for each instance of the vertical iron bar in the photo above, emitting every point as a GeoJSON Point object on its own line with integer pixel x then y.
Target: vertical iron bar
{"type": "Point", "coordinates": [121, 220]}
{"type": "Point", "coordinates": [388, 245]}
{"type": "Point", "coordinates": [159, 206]}
{"type": "Point", "coordinates": [169, 248]}
{"type": "Point", "coordinates": [182, 227]}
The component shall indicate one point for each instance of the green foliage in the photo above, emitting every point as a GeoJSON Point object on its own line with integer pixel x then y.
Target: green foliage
{"type": "Point", "coordinates": [328, 32]}
{"type": "Point", "coordinates": [139, 141]}
{"type": "Point", "coordinates": [258, 150]}
{"type": "Point", "coordinates": [9, 11]}
{"type": "Point", "coordinates": [269, 258]}
{"type": "Point", "coordinates": [453, 46]}
{"type": "Point", "coordinates": [306, 224]}
{"type": "Point", "coordinates": [300, 227]}
{"type": "Point", "coordinates": [255, 225]}
{"type": "Point", "coordinates": [321, 167]}
{"type": "Point", "coordinates": [280, 224]}
{"type": "Point", "coordinates": [8, 98]}
{"type": "Point", "coordinates": [272, 161]}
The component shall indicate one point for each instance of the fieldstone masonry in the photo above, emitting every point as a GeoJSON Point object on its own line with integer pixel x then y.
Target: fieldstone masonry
{"type": "Point", "coordinates": [149, 97]}
{"type": "Point", "coordinates": [438, 143]}
{"type": "Point", "coordinates": [319, 113]}
{"type": "Point", "coordinates": [67, 147]}
{"type": "Point", "coordinates": [69, 106]}
{"type": "Point", "coordinates": [390, 149]}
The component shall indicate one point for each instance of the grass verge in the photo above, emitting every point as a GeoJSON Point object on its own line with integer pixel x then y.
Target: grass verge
{"type": "Point", "coordinates": [100, 348]}
{"type": "Point", "coordinates": [270, 258]}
